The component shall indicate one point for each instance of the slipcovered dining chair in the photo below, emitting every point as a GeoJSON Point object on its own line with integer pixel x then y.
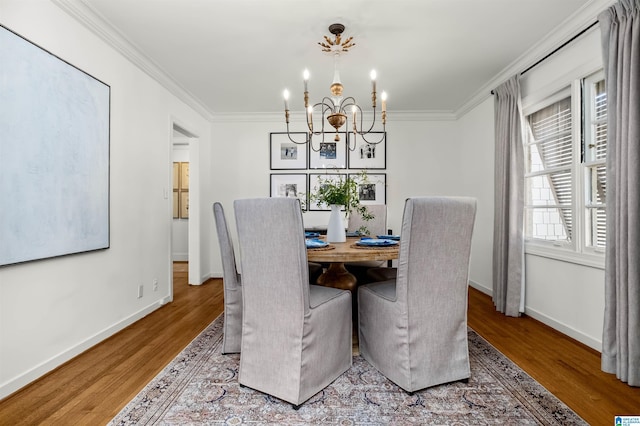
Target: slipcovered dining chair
{"type": "Point", "coordinates": [296, 337]}
{"type": "Point", "coordinates": [231, 278]}
{"type": "Point", "coordinates": [232, 328]}
{"type": "Point", "coordinates": [413, 329]}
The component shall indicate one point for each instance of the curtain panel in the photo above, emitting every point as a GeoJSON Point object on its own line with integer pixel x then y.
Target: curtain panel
{"type": "Point", "coordinates": [508, 238]}
{"type": "Point", "coordinates": [620, 28]}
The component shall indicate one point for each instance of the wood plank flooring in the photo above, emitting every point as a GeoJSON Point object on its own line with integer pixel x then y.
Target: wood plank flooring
{"type": "Point", "coordinates": [93, 387]}
{"type": "Point", "coordinates": [567, 368]}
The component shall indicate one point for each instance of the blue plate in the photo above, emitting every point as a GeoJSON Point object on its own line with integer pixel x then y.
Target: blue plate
{"type": "Point", "coordinates": [311, 234]}
{"type": "Point", "coordinates": [389, 237]}
{"type": "Point", "coordinates": [316, 243]}
{"type": "Point", "coordinates": [375, 242]}
{"type": "Point", "coordinates": [353, 234]}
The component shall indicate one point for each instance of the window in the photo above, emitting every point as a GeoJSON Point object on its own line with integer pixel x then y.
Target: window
{"type": "Point", "coordinates": [565, 179]}
{"type": "Point", "coordinates": [594, 161]}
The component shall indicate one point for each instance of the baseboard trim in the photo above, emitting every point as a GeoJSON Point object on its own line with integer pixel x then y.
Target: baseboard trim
{"type": "Point", "coordinates": [11, 386]}
{"type": "Point", "coordinates": [556, 325]}
{"type": "Point", "coordinates": [565, 329]}
{"type": "Point", "coordinates": [481, 288]}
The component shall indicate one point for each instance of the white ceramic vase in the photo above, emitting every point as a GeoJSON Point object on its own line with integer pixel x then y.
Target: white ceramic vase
{"type": "Point", "coordinates": [335, 229]}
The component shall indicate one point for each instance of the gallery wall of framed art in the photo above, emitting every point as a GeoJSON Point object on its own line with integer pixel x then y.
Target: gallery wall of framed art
{"type": "Point", "coordinates": [297, 166]}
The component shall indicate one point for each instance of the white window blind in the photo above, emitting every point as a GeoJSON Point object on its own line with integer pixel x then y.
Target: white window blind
{"type": "Point", "coordinates": [549, 188]}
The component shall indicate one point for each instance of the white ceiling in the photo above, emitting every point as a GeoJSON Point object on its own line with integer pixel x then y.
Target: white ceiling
{"type": "Point", "coordinates": [237, 56]}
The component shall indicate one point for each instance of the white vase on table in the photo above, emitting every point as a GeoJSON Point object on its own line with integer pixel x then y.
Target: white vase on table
{"type": "Point", "coordinates": [335, 229]}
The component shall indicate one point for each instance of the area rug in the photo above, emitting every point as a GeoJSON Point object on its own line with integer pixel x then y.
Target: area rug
{"type": "Point", "coordinates": [200, 386]}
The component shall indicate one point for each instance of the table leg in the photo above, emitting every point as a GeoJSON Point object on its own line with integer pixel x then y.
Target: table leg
{"type": "Point", "coordinates": [337, 276]}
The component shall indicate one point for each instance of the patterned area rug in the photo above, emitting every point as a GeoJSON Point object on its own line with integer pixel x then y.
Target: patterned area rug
{"type": "Point", "coordinates": [200, 386]}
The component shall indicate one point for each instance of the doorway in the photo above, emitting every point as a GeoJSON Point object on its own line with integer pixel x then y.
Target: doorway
{"type": "Point", "coordinates": [185, 229]}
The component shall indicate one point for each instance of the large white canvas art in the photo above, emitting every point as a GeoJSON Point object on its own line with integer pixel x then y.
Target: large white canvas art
{"type": "Point", "coordinates": [54, 155]}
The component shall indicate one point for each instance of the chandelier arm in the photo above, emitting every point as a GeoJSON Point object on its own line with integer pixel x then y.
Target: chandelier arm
{"type": "Point", "coordinates": [311, 143]}
{"type": "Point", "coordinates": [324, 106]}
{"type": "Point", "coordinates": [354, 132]}
{"type": "Point", "coordinates": [293, 140]}
{"type": "Point", "coordinates": [349, 144]}
{"type": "Point", "coordinates": [344, 104]}
{"type": "Point", "coordinates": [328, 103]}
{"type": "Point", "coordinates": [382, 138]}
{"type": "Point", "coordinates": [373, 123]}
{"type": "Point", "coordinates": [352, 102]}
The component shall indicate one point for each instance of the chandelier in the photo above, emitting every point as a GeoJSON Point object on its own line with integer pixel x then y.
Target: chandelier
{"type": "Point", "coordinates": [337, 109]}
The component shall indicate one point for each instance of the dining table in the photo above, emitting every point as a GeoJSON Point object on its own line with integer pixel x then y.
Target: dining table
{"type": "Point", "coordinates": [337, 254]}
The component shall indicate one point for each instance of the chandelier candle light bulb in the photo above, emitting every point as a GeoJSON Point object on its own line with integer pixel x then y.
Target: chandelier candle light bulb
{"type": "Point", "coordinates": [285, 94]}
{"type": "Point", "coordinates": [373, 80]}
{"type": "Point", "coordinates": [384, 107]}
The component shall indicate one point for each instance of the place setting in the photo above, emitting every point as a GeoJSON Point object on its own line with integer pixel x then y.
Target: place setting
{"type": "Point", "coordinates": [382, 241]}
{"type": "Point", "coordinates": [313, 242]}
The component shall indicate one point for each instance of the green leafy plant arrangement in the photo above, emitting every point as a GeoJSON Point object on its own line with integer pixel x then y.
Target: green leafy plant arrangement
{"type": "Point", "coordinates": [343, 192]}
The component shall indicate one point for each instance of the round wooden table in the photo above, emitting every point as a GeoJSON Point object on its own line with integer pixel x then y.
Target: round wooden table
{"type": "Point", "coordinates": [336, 254]}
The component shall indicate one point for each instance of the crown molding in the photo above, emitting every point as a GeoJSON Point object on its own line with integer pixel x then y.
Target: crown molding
{"type": "Point", "coordinates": [299, 117]}
{"type": "Point", "coordinates": [90, 18]}
{"type": "Point", "coordinates": [95, 22]}
{"type": "Point", "coordinates": [574, 24]}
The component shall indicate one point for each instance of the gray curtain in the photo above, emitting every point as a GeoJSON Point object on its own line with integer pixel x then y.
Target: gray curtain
{"type": "Point", "coordinates": [508, 239]}
{"type": "Point", "coordinates": [620, 27]}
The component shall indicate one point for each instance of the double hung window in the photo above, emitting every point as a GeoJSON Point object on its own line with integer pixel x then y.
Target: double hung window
{"type": "Point", "coordinates": [565, 179]}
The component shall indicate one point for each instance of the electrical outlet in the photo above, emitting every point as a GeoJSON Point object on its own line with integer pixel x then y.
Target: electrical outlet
{"type": "Point", "coordinates": [155, 284]}
{"type": "Point", "coordinates": [140, 288]}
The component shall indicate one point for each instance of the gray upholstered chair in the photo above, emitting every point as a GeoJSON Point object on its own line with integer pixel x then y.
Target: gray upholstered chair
{"type": "Point", "coordinates": [296, 337]}
{"type": "Point", "coordinates": [231, 280]}
{"type": "Point", "coordinates": [413, 329]}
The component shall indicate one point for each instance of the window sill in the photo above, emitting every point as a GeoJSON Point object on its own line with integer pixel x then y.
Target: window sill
{"type": "Point", "coordinates": [563, 255]}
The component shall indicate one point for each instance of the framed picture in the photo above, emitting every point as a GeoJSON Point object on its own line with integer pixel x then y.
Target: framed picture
{"type": "Point", "coordinates": [374, 191]}
{"type": "Point", "coordinates": [184, 176]}
{"type": "Point", "coordinates": [289, 185]}
{"type": "Point", "coordinates": [368, 155]}
{"type": "Point", "coordinates": [184, 204]}
{"type": "Point", "coordinates": [176, 176]}
{"type": "Point", "coordinates": [286, 155]}
{"type": "Point", "coordinates": [176, 204]}
{"type": "Point", "coordinates": [314, 184]}
{"type": "Point", "coordinates": [331, 154]}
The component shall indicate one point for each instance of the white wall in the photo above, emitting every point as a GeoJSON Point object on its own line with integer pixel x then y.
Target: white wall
{"type": "Point", "coordinates": [51, 310]}
{"type": "Point", "coordinates": [566, 296]}
{"type": "Point", "coordinates": [423, 158]}
{"type": "Point", "coordinates": [476, 159]}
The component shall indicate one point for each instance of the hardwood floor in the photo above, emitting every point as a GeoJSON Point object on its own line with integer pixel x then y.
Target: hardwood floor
{"type": "Point", "coordinates": [93, 387]}
{"type": "Point", "coordinates": [567, 368]}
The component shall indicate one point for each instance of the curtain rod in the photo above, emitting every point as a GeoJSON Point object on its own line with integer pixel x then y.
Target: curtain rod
{"type": "Point", "coordinates": [593, 24]}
